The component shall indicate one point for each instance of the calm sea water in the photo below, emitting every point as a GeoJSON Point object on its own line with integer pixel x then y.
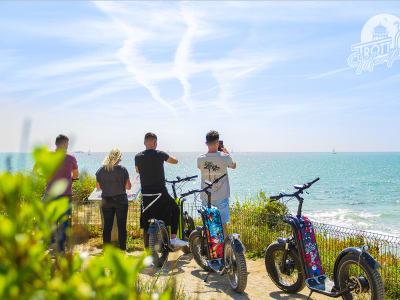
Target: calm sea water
{"type": "Point", "coordinates": [356, 189]}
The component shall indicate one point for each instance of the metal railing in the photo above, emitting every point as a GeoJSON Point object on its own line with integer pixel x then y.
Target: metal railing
{"type": "Point", "coordinates": [257, 234]}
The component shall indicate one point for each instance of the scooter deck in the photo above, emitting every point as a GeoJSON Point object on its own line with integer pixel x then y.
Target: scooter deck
{"type": "Point", "coordinates": [320, 283]}
{"type": "Point", "coordinates": [323, 285]}
{"type": "Point", "coordinates": [215, 264]}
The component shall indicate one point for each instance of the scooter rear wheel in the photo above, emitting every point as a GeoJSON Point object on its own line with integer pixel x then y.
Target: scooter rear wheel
{"type": "Point", "coordinates": [158, 244]}
{"type": "Point", "coordinates": [236, 268]}
{"type": "Point", "coordinates": [189, 226]}
{"type": "Point", "coordinates": [294, 280]}
{"type": "Point", "coordinates": [368, 282]}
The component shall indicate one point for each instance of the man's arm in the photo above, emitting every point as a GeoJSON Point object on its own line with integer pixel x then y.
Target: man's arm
{"type": "Point", "coordinates": [233, 164]}
{"type": "Point", "coordinates": [98, 186]}
{"type": "Point", "coordinates": [75, 174]}
{"type": "Point", "coordinates": [137, 169]}
{"type": "Point", "coordinates": [172, 160]}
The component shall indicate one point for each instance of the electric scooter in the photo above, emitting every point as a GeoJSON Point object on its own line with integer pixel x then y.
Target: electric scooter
{"type": "Point", "coordinates": [294, 262]}
{"type": "Point", "coordinates": [157, 237]}
{"type": "Point", "coordinates": [211, 250]}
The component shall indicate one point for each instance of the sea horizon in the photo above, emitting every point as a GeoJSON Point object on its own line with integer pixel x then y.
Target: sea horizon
{"type": "Point", "coordinates": [357, 189]}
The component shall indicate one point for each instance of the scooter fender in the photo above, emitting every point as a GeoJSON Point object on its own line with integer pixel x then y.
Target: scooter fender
{"type": "Point", "coordinates": [237, 244]}
{"type": "Point", "coordinates": [154, 226]}
{"type": "Point", "coordinates": [364, 256]}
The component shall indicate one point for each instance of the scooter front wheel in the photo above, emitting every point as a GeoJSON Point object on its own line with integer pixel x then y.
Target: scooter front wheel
{"type": "Point", "coordinates": [195, 241]}
{"type": "Point", "coordinates": [289, 275]}
{"type": "Point", "coordinates": [189, 227]}
{"type": "Point", "coordinates": [353, 271]}
{"type": "Point", "coordinates": [235, 262]}
{"type": "Point", "coordinates": [158, 244]}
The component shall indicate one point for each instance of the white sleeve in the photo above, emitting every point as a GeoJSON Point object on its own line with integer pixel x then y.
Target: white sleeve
{"type": "Point", "coordinates": [228, 160]}
{"type": "Point", "coordinates": [198, 163]}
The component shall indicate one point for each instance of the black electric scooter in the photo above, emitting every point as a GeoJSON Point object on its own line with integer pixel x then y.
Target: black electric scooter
{"type": "Point", "coordinates": [157, 237]}
{"type": "Point", "coordinates": [294, 262]}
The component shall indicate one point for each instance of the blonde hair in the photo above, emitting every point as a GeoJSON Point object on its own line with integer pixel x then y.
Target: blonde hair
{"type": "Point", "coordinates": [111, 159]}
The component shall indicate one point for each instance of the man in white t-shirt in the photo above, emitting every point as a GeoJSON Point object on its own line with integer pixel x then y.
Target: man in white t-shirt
{"type": "Point", "coordinates": [212, 165]}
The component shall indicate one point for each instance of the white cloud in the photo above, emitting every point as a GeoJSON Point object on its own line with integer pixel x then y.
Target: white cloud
{"type": "Point", "coordinates": [330, 73]}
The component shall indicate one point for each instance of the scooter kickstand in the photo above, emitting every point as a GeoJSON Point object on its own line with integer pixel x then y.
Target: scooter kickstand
{"type": "Point", "coordinates": [205, 279]}
{"type": "Point", "coordinates": [310, 295]}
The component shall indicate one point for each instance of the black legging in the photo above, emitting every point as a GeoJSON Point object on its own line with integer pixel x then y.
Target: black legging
{"type": "Point", "coordinates": [110, 208]}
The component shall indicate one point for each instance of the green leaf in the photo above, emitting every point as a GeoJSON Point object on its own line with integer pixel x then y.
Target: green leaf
{"type": "Point", "coordinates": [56, 208]}
{"type": "Point", "coordinates": [57, 188]}
{"type": "Point", "coordinates": [47, 162]}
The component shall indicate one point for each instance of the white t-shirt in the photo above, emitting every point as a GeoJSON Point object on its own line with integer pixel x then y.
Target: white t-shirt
{"type": "Point", "coordinates": [212, 166]}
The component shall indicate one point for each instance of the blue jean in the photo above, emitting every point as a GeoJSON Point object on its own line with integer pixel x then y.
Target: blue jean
{"type": "Point", "coordinates": [223, 207]}
{"type": "Point", "coordinates": [64, 226]}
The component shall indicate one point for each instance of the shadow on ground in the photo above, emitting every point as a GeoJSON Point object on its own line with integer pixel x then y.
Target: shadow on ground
{"type": "Point", "coordinates": [284, 296]}
{"type": "Point", "coordinates": [218, 283]}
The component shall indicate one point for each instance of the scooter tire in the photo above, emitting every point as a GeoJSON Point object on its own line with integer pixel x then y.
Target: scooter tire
{"type": "Point", "coordinates": [374, 278]}
{"type": "Point", "coordinates": [157, 245]}
{"type": "Point", "coordinates": [272, 269]}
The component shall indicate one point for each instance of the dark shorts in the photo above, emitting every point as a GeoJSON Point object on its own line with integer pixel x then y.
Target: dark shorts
{"type": "Point", "coordinates": [160, 209]}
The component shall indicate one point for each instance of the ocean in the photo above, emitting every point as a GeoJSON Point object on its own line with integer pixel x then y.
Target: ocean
{"type": "Point", "coordinates": [358, 190]}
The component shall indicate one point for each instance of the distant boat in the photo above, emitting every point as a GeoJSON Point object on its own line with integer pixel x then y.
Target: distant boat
{"type": "Point", "coordinates": [89, 153]}
{"type": "Point", "coordinates": [78, 151]}
{"type": "Point", "coordinates": [333, 151]}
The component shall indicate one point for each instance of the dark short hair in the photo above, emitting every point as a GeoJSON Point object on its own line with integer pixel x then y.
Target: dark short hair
{"type": "Point", "coordinates": [61, 139]}
{"type": "Point", "coordinates": [212, 136]}
{"type": "Point", "coordinates": [150, 136]}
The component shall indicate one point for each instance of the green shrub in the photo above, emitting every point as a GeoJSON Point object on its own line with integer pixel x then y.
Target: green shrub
{"type": "Point", "coordinates": [82, 188]}
{"type": "Point", "coordinates": [28, 271]}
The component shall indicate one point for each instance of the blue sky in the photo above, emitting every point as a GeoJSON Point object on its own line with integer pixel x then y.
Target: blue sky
{"type": "Point", "coordinates": [270, 76]}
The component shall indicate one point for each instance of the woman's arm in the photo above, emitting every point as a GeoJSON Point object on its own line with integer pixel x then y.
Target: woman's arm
{"type": "Point", "coordinates": [128, 184]}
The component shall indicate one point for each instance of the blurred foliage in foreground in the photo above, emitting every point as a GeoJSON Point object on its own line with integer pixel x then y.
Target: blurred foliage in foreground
{"type": "Point", "coordinates": [28, 271]}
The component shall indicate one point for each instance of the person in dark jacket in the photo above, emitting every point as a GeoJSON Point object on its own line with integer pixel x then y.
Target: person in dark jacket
{"type": "Point", "coordinates": [113, 180]}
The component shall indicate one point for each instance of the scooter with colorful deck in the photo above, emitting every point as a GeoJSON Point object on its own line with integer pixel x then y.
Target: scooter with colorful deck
{"type": "Point", "coordinates": [294, 262]}
{"type": "Point", "coordinates": [211, 250]}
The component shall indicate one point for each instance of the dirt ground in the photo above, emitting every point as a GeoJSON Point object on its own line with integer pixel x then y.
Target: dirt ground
{"type": "Point", "coordinates": [190, 278]}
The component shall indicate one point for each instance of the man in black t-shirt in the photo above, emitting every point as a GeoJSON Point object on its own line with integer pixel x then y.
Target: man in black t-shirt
{"type": "Point", "coordinates": [150, 166]}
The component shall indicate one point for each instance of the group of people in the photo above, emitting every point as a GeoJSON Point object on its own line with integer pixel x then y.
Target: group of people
{"type": "Point", "coordinates": [113, 181]}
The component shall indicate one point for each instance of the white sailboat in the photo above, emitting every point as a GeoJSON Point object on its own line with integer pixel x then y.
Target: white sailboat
{"type": "Point", "coordinates": [333, 151]}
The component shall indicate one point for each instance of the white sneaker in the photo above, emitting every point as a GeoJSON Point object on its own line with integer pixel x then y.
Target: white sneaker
{"type": "Point", "coordinates": [177, 243]}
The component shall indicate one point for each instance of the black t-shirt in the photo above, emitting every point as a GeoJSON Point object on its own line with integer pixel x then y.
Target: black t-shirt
{"type": "Point", "coordinates": [113, 182]}
{"type": "Point", "coordinates": [151, 168]}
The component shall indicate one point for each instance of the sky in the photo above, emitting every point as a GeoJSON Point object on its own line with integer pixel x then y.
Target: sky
{"type": "Point", "coordinates": [269, 76]}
